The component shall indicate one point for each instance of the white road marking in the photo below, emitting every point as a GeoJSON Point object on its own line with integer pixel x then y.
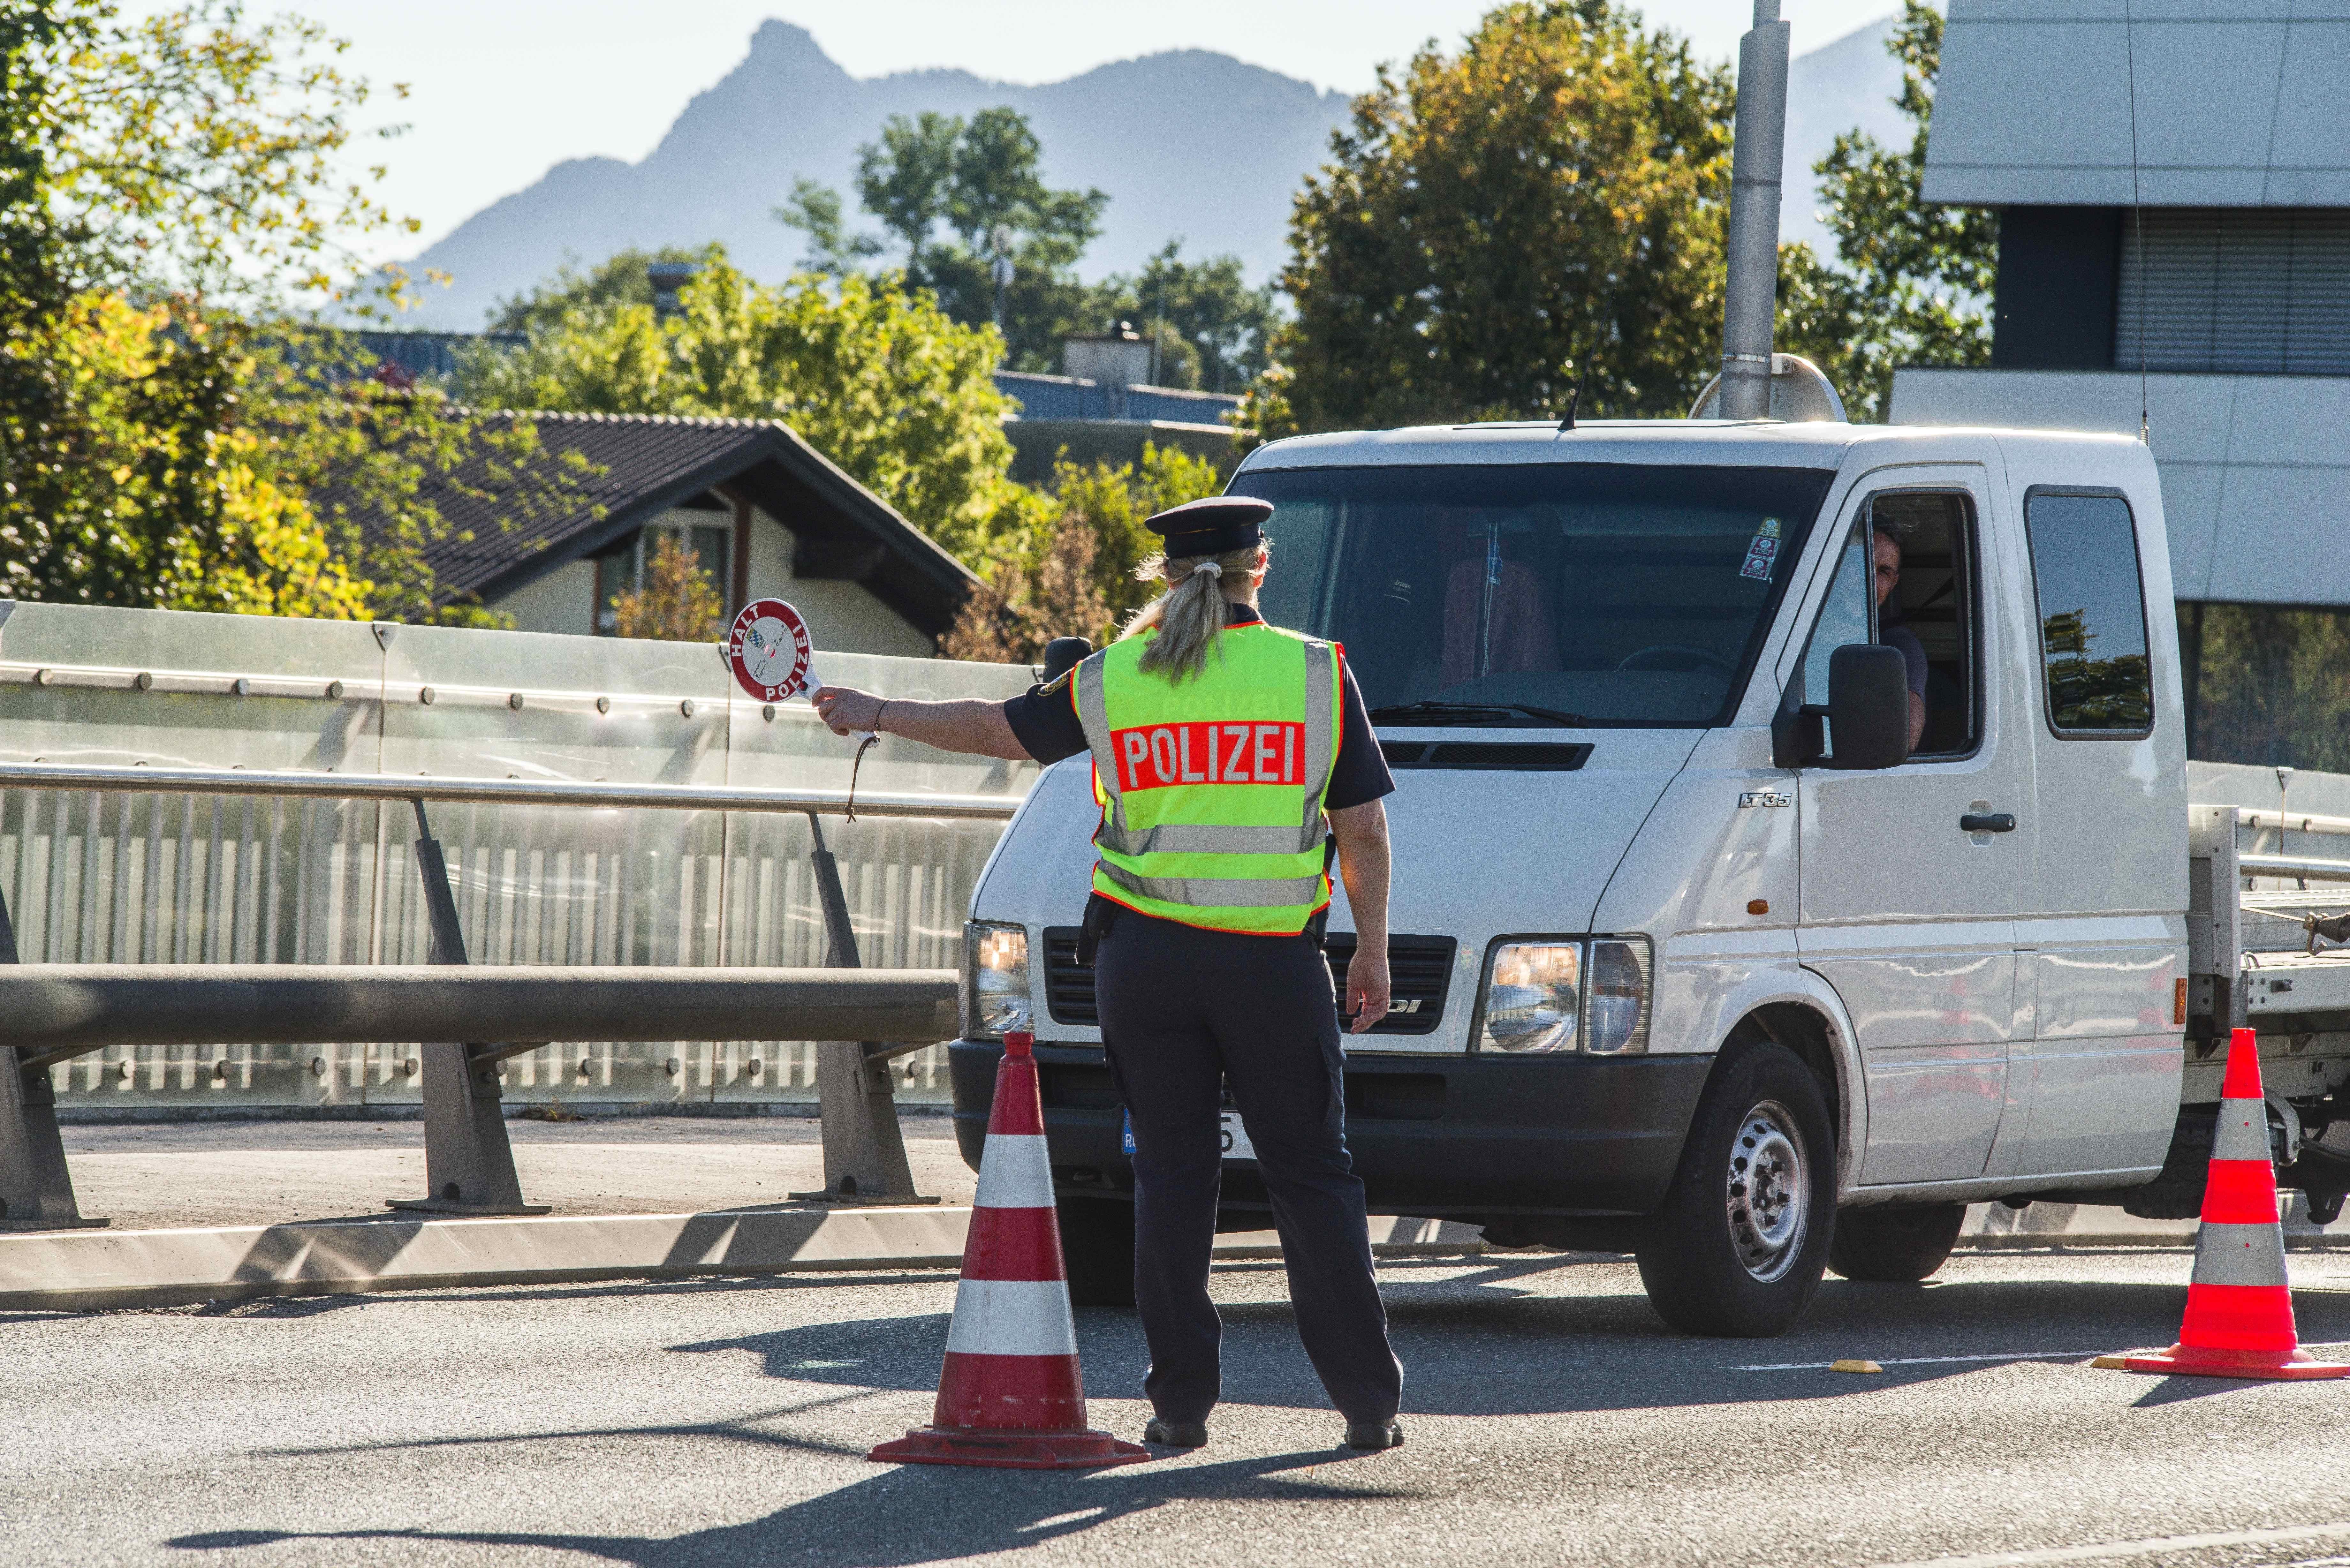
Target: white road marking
{"type": "Point", "coordinates": [1932, 1360]}
{"type": "Point", "coordinates": [2309, 1344]}
{"type": "Point", "coordinates": [2152, 1546]}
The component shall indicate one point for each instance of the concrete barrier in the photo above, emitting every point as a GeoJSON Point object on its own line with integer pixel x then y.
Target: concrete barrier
{"type": "Point", "coordinates": [88, 1270]}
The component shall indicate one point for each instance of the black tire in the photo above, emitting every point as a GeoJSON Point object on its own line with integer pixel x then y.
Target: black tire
{"type": "Point", "coordinates": [1097, 1245]}
{"type": "Point", "coordinates": [1740, 1244]}
{"type": "Point", "coordinates": [1895, 1246]}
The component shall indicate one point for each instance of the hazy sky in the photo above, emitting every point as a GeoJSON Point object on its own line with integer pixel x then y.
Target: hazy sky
{"type": "Point", "coordinates": [500, 89]}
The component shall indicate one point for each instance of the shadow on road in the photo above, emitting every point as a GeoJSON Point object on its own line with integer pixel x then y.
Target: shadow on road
{"type": "Point", "coordinates": [922, 1513]}
{"type": "Point", "coordinates": [1487, 1340]}
{"type": "Point", "coordinates": [1483, 1343]}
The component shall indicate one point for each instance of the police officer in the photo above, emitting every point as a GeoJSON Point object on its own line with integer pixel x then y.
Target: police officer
{"type": "Point", "coordinates": [1221, 746]}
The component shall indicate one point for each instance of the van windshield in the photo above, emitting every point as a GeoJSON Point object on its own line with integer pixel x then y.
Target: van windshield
{"type": "Point", "coordinates": [1600, 594]}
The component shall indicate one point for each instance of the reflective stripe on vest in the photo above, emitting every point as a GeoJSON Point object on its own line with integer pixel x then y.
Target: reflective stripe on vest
{"type": "Point", "coordinates": [1211, 790]}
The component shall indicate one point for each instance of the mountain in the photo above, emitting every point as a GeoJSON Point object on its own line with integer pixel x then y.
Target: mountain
{"type": "Point", "coordinates": [1189, 143]}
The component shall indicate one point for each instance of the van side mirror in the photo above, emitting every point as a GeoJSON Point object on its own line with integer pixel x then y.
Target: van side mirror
{"type": "Point", "coordinates": [1064, 654]}
{"type": "Point", "coordinates": [1869, 707]}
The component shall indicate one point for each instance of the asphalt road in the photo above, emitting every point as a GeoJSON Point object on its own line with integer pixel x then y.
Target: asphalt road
{"type": "Point", "coordinates": [1551, 1418]}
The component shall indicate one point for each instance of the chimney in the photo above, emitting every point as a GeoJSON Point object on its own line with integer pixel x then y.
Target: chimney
{"type": "Point", "coordinates": [667, 279]}
{"type": "Point", "coordinates": [1119, 358]}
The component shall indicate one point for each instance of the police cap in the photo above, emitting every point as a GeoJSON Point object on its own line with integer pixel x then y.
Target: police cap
{"type": "Point", "coordinates": [1212, 525]}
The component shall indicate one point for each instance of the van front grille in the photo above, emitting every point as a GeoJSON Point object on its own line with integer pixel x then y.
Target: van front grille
{"type": "Point", "coordinates": [1420, 970]}
{"type": "Point", "coordinates": [1068, 984]}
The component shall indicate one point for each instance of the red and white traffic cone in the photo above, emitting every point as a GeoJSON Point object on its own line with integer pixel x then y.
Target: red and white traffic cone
{"type": "Point", "coordinates": [2239, 1320]}
{"type": "Point", "coordinates": [1009, 1393]}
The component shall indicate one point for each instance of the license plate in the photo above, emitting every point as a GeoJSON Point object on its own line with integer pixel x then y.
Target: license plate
{"type": "Point", "coordinates": [1236, 1139]}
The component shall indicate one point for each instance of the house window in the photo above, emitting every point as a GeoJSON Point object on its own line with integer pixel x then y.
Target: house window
{"type": "Point", "coordinates": [2266, 684]}
{"type": "Point", "coordinates": [622, 569]}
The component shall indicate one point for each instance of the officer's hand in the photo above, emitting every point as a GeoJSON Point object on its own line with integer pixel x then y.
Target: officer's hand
{"type": "Point", "coordinates": [845, 708]}
{"type": "Point", "coordinates": [1366, 988]}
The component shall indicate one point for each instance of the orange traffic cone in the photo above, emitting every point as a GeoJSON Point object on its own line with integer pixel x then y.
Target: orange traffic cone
{"type": "Point", "coordinates": [1009, 1393]}
{"type": "Point", "coordinates": [2238, 1319]}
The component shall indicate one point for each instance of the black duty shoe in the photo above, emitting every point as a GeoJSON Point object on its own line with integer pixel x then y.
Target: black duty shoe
{"type": "Point", "coordinates": [1374, 1435]}
{"type": "Point", "coordinates": [1176, 1434]}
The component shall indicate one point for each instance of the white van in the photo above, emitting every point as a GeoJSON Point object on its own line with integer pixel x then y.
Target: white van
{"type": "Point", "coordinates": [1696, 955]}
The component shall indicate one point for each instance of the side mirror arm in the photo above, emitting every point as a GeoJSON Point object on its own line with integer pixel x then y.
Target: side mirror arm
{"type": "Point", "coordinates": [1797, 739]}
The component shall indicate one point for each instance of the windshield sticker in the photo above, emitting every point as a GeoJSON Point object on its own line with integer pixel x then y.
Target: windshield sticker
{"type": "Point", "coordinates": [1761, 551]}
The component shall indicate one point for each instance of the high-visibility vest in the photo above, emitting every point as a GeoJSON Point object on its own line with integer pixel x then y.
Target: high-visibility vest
{"type": "Point", "coordinates": [1212, 789]}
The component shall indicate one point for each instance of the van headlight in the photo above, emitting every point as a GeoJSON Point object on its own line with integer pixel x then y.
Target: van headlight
{"type": "Point", "coordinates": [1533, 997]}
{"type": "Point", "coordinates": [1555, 995]}
{"type": "Point", "coordinates": [994, 979]}
{"type": "Point", "coordinates": [1616, 986]}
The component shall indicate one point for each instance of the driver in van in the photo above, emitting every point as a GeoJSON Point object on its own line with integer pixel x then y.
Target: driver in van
{"type": "Point", "coordinates": [1893, 632]}
{"type": "Point", "coordinates": [1221, 747]}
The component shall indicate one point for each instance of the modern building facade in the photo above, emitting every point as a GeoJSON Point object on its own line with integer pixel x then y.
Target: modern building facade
{"type": "Point", "coordinates": [2173, 183]}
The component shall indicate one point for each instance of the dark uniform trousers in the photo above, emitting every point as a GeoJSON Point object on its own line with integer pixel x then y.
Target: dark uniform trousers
{"type": "Point", "coordinates": [1183, 1012]}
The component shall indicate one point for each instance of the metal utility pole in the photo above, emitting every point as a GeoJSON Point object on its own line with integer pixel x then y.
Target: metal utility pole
{"type": "Point", "coordinates": [999, 245]}
{"type": "Point", "coordinates": [1756, 160]}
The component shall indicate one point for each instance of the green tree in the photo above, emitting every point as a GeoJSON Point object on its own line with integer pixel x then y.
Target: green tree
{"type": "Point", "coordinates": [833, 251]}
{"type": "Point", "coordinates": [1210, 326]}
{"type": "Point", "coordinates": [1078, 578]}
{"type": "Point", "coordinates": [1493, 227]}
{"type": "Point", "coordinates": [619, 280]}
{"type": "Point", "coordinates": [941, 186]}
{"type": "Point", "coordinates": [170, 210]}
{"type": "Point", "coordinates": [877, 378]}
{"type": "Point", "coordinates": [1913, 283]}
{"type": "Point", "coordinates": [906, 179]}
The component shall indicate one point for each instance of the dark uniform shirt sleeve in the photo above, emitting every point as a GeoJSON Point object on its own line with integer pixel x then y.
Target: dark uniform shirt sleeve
{"type": "Point", "coordinates": [1360, 774]}
{"type": "Point", "coordinates": [1044, 721]}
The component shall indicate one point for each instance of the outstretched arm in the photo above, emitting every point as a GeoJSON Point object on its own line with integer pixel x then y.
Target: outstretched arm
{"type": "Point", "coordinates": [964, 724]}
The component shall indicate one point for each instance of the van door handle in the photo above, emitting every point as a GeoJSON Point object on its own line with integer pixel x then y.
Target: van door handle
{"type": "Point", "coordinates": [1987, 822]}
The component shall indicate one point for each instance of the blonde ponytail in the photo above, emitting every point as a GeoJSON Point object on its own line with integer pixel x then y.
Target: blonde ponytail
{"type": "Point", "coordinates": [1191, 613]}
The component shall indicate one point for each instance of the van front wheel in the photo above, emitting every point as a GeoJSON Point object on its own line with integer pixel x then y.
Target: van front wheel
{"type": "Point", "coordinates": [1742, 1238]}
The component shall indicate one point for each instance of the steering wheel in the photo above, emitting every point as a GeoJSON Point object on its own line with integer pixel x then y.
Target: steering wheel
{"type": "Point", "coordinates": [1677, 657]}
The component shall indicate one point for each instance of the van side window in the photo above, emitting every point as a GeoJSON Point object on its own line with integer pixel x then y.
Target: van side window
{"type": "Point", "coordinates": [1916, 547]}
{"type": "Point", "coordinates": [1845, 618]}
{"type": "Point", "coordinates": [2093, 637]}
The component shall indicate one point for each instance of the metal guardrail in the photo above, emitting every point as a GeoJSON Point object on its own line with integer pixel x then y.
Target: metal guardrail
{"type": "Point", "coordinates": [473, 1019]}
{"type": "Point", "coordinates": [2308, 870]}
{"type": "Point", "coordinates": [500, 792]}
{"type": "Point", "coordinates": [52, 1012]}
{"type": "Point", "coordinates": [2304, 867]}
